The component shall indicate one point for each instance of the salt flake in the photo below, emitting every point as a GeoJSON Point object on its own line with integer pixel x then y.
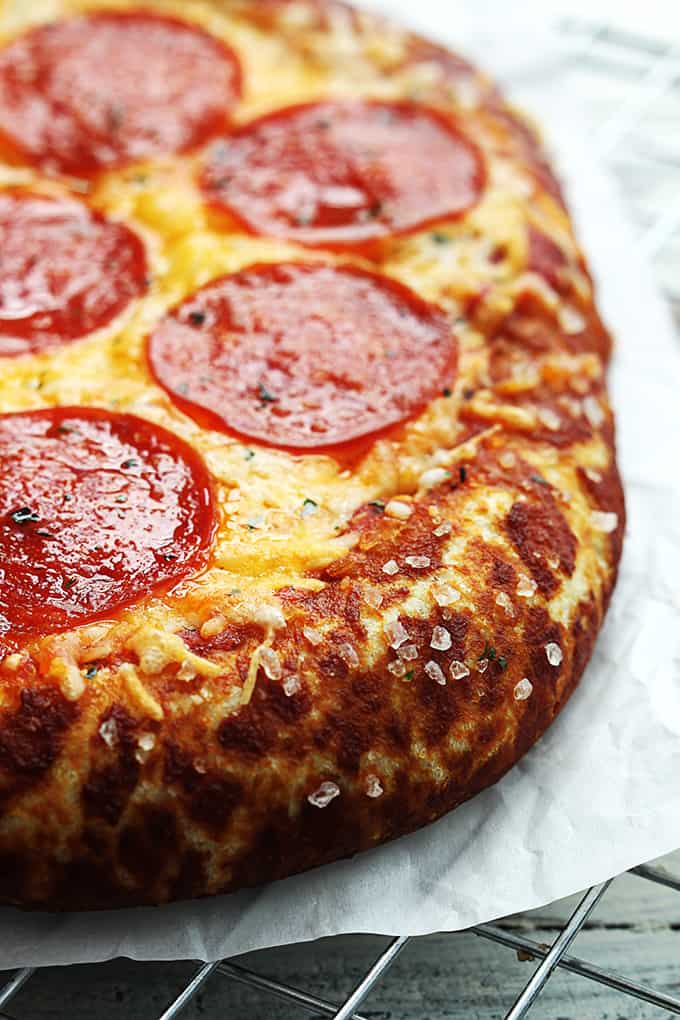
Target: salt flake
{"type": "Point", "coordinates": [417, 562]}
{"type": "Point", "coordinates": [523, 689]}
{"type": "Point", "coordinates": [602, 521]}
{"type": "Point", "coordinates": [435, 672]}
{"type": "Point", "coordinates": [374, 787]}
{"type": "Point", "coordinates": [458, 670]}
{"type": "Point", "coordinates": [396, 633]}
{"type": "Point", "coordinates": [325, 793]}
{"type": "Point", "coordinates": [441, 639]}
{"type": "Point", "coordinates": [553, 653]}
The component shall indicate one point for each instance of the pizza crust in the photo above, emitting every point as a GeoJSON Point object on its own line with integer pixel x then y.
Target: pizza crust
{"type": "Point", "coordinates": [285, 707]}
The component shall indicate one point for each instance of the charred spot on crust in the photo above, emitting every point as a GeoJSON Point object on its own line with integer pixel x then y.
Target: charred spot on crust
{"type": "Point", "coordinates": [108, 787]}
{"type": "Point", "coordinates": [539, 532]}
{"type": "Point", "coordinates": [32, 736]}
{"type": "Point", "coordinates": [210, 796]}
{"type": "Point", "coordinates": [233, 637]}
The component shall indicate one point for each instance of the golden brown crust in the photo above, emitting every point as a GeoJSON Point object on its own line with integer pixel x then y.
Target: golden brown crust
{"type": "Point", "coordinates": [173, 752]}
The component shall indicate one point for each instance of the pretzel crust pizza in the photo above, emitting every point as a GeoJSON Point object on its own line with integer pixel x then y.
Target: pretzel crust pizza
{"type": "Point", "coordinates": [310, 513]}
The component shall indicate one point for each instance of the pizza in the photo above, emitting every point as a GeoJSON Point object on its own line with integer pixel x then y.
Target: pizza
{"type": "Point", "coordinates": [310, 512]}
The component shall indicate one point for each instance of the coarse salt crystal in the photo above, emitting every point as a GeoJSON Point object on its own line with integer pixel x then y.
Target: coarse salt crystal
{"type": "Point", "coordinates": [523, 689]}
{"type": "Point", "coordinates": [553, 653]}
{"type": "Point", "coordinates": [409, 653]}
{"type": "Point", "coordinates": [570, 320]}
{"type": "Point", "coordinates": [348, 654]}
{"type": "Point", "coordinates": [435, 672]}
{"type": "Point", "coordinates": [291, 685]}
{"type": "Point", "coordinates": [186, 671]}
{"type": "Point", "coordinates": [417, 562]}
{"type": "Point", "coordinates": [482, 665]}
{"type": "Point", "coordinates": [507, 459]}
{"type": "Point", "coordinates": [145, 745]}
{"type": "Point", "coordinates": [391, 567]}
{"type": "Point", "coordinates": [433, 476]}
{"type": "Point", "coordinates": [445, 528]}
{"type": "Point", "coordinates": [374, 787]}
{"type": "Point", "coordinates": [553, 562]}
{"type": "Point", "coordinates": [401, 511]}
{"type": "Point", "coordinates": [396, 668]}
{"type": "Point", "coordinates": [315, 637]}
{"type": "Point", "coordinates": [324, 794]}
{"type": "Point", "coordinates": [108, 731]}
{"type": "Point", "coordinates": [526, 586]}
{"type": "Point", "coordinates": [593, 411]}
{"type": "Point", "coordinates": [503, 600]}
{"type": "Point", "coordinates": [271, 663]}
{"type": "Point", "coordinates": [593, 475]}
{"type": "Point", "coordinates": [603, 521]}
{"type": "Point", "coordinates": [549, 418]}
{"type": "Point", "coordinates": [445, 595]}
{"type": "Point", "coordinates": [214, 626]}
{"type": "Point", "coordinates": [269, 616]}
{"type": "Point", "coordinates": [441, 639]}
{"type": "Point", "coordinates": [458, 670]}
{"type": "Point", "coordinates": [373, 598]}
{"type": "Point", "coordinates": [396, 633]}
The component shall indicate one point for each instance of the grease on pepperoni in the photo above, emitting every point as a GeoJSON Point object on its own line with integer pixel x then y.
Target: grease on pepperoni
{"type": "Point", "coordinates": [344, 173]}
{"type": "Point", "coordinates": [303, 356]}
{"type": "Point", "coordinates": [97, 509]}
{"type": "Point", "coordinates": [106, 89]}
{"type": "Point", "coordinates": [66, 271]}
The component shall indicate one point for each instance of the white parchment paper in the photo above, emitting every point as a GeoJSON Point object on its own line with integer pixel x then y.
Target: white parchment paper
{"type": "Point", "coordinates": [600, 791]}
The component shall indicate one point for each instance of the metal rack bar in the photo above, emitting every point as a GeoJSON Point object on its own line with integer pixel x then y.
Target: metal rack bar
{"type": "Point", "coordinates": [575, 965]}
{"type": "Point", "coordinates": [187, 994]}
{"type": "Point", "coordinates": [285, 992]}
{"type": "Point", "coordinates": [383, 963]}
{"type": "Point", "coordinates": [16, 982]}
{"type": "Point", "coordinates": [534, 986]}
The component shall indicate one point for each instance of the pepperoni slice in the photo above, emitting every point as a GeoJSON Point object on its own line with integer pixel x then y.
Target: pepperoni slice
{"type": "Point", "coordinates": [546, 258]}
{"type": "Point", "coordinates": [344, 173]}
{"type": "Point", "coordinates": [106, 89]}
{"type": "Point", "coordinates": [303, 356]}
{"type": "Point", "coordinates": [65, 271]}
{"type": "Point", "coordinates": [96, 510]}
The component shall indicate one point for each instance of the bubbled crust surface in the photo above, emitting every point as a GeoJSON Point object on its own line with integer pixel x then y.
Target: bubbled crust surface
{"type": "Point", "coordinates": [151, 757]}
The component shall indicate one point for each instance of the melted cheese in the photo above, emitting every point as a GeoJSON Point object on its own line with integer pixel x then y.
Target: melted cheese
{"type": "Point", "coordinates": [265, 541]}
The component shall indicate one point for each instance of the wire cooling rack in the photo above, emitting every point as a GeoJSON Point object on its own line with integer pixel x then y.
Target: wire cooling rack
{"type": "Point", "coordinates": [630, 86]}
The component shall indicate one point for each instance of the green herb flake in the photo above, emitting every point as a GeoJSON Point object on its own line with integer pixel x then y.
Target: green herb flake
{"type": "Point", "coordinates": [264, 394]}
{"type": "Point", "coordinates": [249, 454]}
{"type": "Point", "coordinates": [439, 238]}
{"type": "Point", "coordinates": [309, 506]}
{"type": "Point", "coordinates": [502, 662]}
{"type": "Point", "coordinates": [447, 392]}
{"type": "Point", "coordinates": [197, 318]}
{"type": "Point", "coordinates": [91, 671]}
{"type": "Point", "coordinates": [409, 674]}
{"type": "Point", "coordinates": [24, 515]}
{"type": "Point", "coordinates": [69, 584]}
{"type": "Point", "coordinates": [488, 653]}
{"type": "Point", "coordinates": [378, 504]}
{"type": "Point", "coordinates": [539, 480]}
